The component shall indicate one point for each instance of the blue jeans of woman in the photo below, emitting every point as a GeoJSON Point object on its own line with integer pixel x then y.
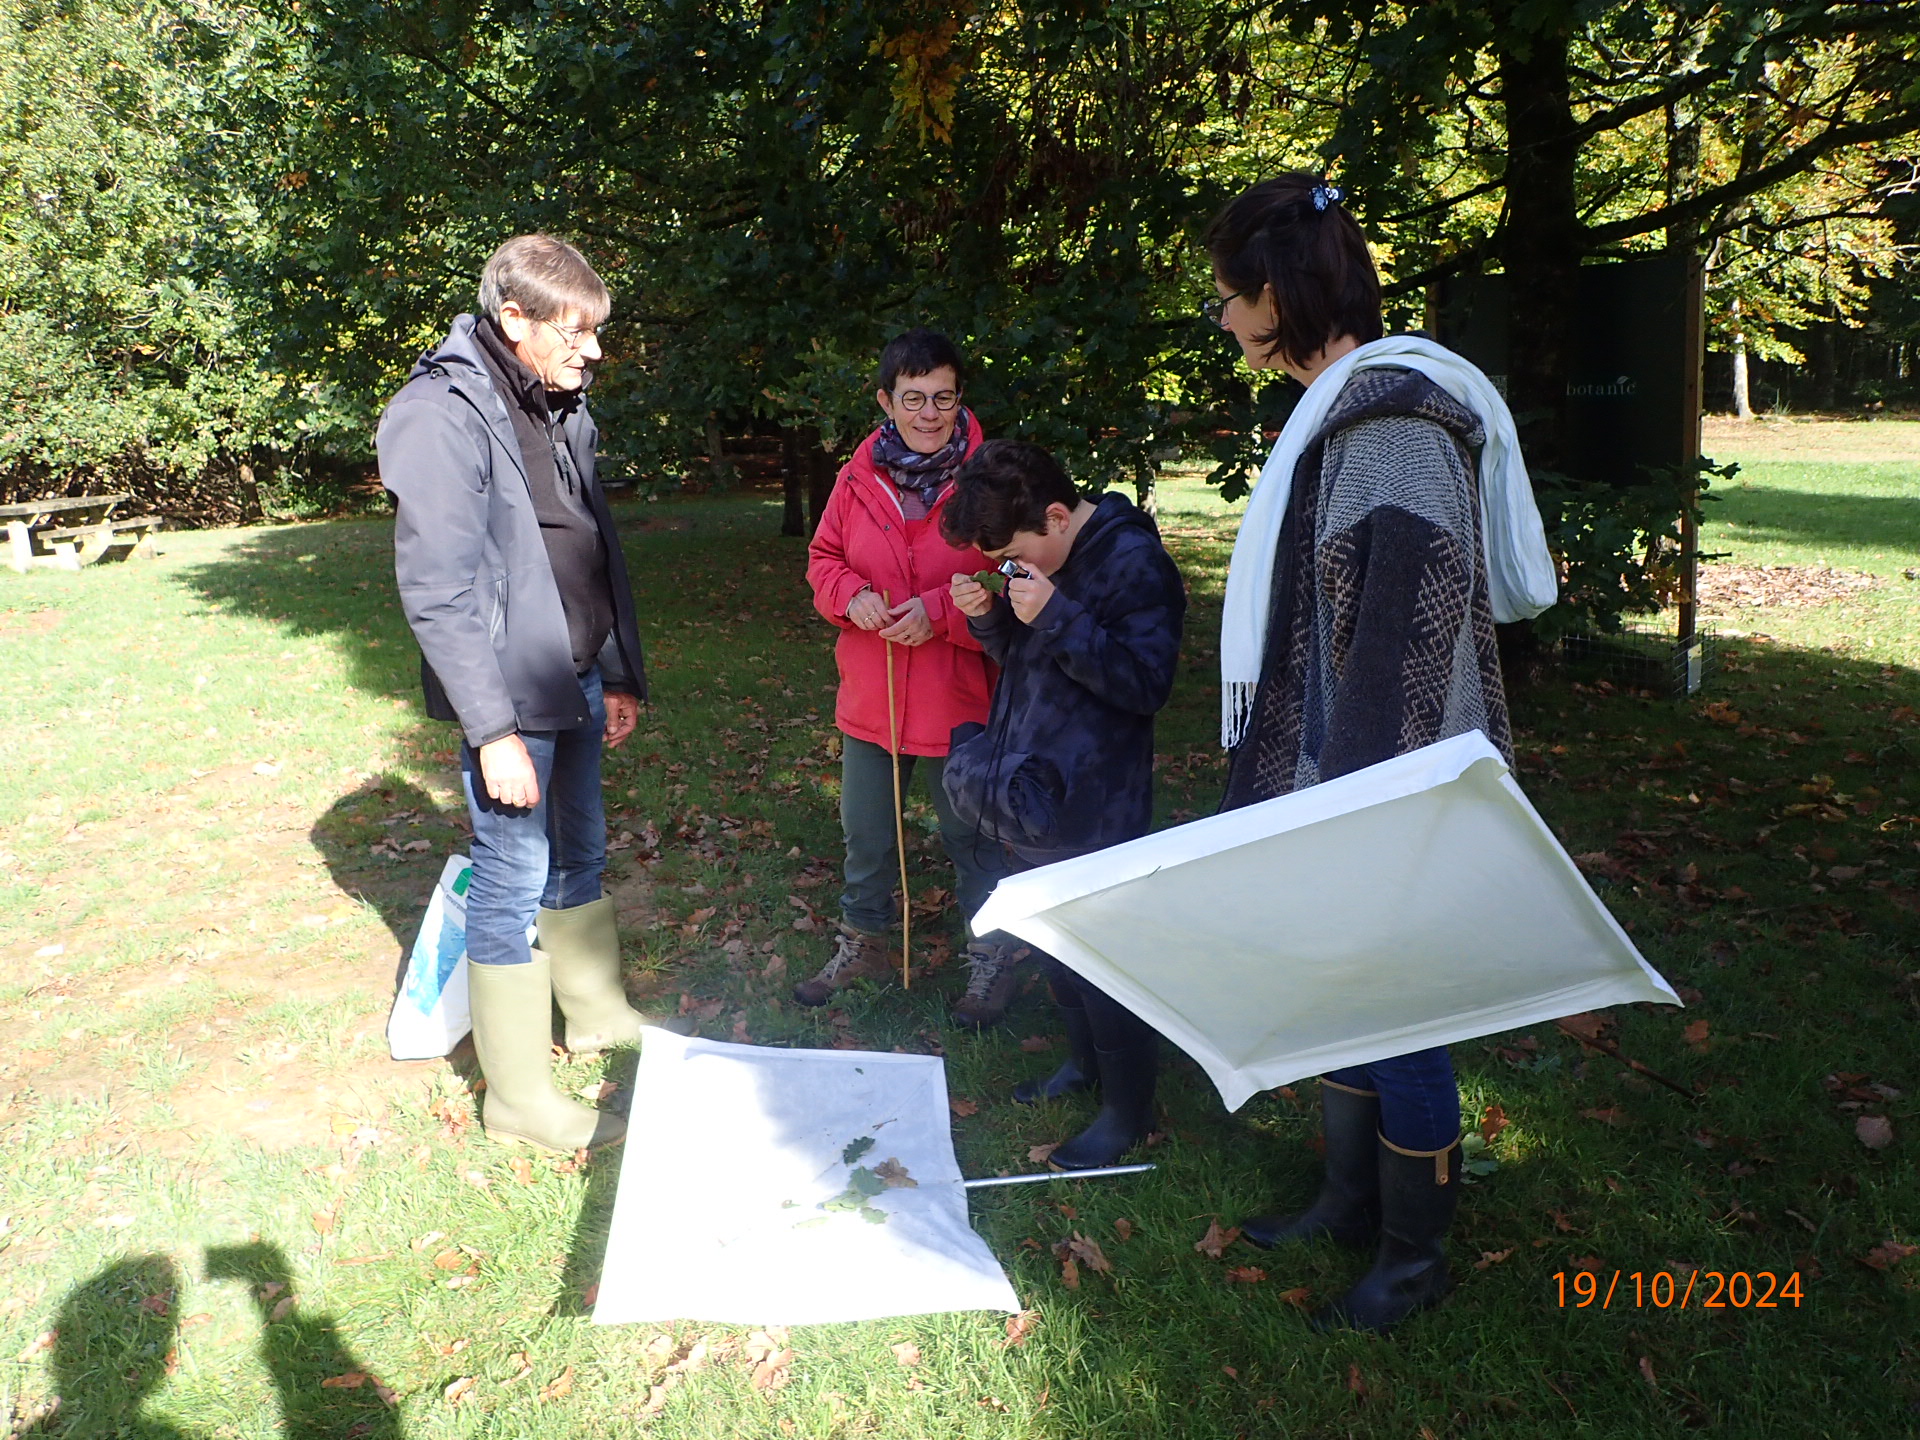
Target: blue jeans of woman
{"type": "Point", "coordinates": [1419, 1102]}
{"type": "Point", "coordinates": [551, 855]}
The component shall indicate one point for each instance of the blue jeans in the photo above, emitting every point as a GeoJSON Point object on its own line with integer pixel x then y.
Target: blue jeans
{"type": "Point", "coordinates": [1419, 1103]}
{"type": "Point", "coordinates": [551, 855]}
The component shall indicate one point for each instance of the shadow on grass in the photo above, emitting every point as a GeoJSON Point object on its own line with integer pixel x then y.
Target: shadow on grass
{"type": "Point", "coordinates": [363, 834]}
{"type": "Point", "coordinates": [116, 1334]}
{"type": "Point", "coordinates": [118, 1330]}
{"type": "Point", "coordinates": [1768, 513]}
{"type": "Point", "coordinates": [305, 1354]}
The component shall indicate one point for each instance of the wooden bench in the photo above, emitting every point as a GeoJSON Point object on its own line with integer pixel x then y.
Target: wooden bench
{"type": "Point", "coordinates": [35, 536]}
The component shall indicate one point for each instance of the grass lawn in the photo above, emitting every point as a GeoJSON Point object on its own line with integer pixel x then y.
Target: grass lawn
{"type": "Point", "coordinates": [224, 1211]}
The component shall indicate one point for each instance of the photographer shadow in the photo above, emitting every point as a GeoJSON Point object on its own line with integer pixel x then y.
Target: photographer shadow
{"type": "Point", "coordinates": [113, 1347]}
{"type": "Point", "coordinates": [312, 1368]}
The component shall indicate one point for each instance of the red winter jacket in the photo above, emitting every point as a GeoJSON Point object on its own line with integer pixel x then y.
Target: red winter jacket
{"type": "Point", "coordinates": [862, 543]}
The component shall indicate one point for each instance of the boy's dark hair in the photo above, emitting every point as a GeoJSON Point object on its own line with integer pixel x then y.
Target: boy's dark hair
{"type": "Point", "coordinates": [920, 352]}
{"type": "Point", "coordinates": [1006, 485]}
{"type": "Point", "coordinates": [1314, 257]}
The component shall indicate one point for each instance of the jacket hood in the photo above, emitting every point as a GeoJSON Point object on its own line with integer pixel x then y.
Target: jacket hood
{"type": "Point", "coordinates": [1393, 390]}
{"type": "Point", "coordinates": [459, 354]}
{"type": "Point", "coordinates": [1114, 515]}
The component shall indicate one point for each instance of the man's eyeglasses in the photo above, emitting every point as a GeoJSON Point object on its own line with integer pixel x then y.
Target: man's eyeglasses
{"type": "Point", "coordinates": [913, 401]}
{"type": "Point", "coordinates": [1215, 306]}
{"type": "Point", "coordinates": [577, 336]}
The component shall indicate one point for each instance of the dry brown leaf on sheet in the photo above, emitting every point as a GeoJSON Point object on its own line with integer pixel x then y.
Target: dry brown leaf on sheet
{"type": "Point", "coordinates": [895, 1174]}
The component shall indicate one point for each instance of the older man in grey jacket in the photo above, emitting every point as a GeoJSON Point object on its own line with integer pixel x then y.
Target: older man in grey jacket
{"type": "Point", "coordinates": [511, 576]}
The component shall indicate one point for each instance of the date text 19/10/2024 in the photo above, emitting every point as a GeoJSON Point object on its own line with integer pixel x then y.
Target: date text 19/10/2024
{"type": "Point", "coordinates": [1663, 1290]}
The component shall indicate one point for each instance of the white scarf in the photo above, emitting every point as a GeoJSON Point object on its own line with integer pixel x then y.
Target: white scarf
{"type": "Point", "coordinates": [1521, 579]}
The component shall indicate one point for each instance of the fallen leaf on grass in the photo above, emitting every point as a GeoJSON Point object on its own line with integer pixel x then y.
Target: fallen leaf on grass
{"type": "Point", "coordinates": [590, 1294]}
{"type": "Point", "coordinates": [1300, 1297]}
{"type": "Point", "coordinates": [522, 1169]}
{"type": "Point", "coordinates": [1646, 1371]}
{"type": "Point", "coordinates": [1888, 1254]}
{"type": "Point", "coordinates": [1490, 1258]}
{"type": "Point", "coordinates": [963, 1108]}
{"type": "Point", "coordinates": [1611, 1115]}
{"type": "Point", "coordinates": [1695, 1036]}
{"type": "Point", "coordinates": [1085, 1250]}
{"type": "Point", "coordinates": [1070, 1273]}
{"type": "Point", "coordinates": [771, 1373]}
{"type": "Point", "coordinates": [280, 1311]}
{"type": "Point", "coordinates": [1874, 1131]}
{"type": "Point", "coordinates": [1034, 1044]}
{"type": "Point", "coordinates": [1246, 1275]}
{"type": "Point", "coordinates": [323, 1221]}
{"type": "Point", "coordinates": [1038, 1154]}
{"type": "Point", "coordinates": [907, 1353]}
{"type": "Point", "coordinates": [44, 1342]}
{"type": "Point", "coordinates": [1355, 1382]}
{"type": "Point", "coordinates": [450, 1260]}
{"type": "Point", "coordinates": [594, 1091]}
{"type": "Point", "coordinates": [459, 1390]}
{"type": "Point", "coordinates": [352, 1380]}
{"type": "Point", "coordinates": [1216, 1240]}
{"type": "Point", "coordinates": [560, 1387]}
{"type": "Point", "coordinates": [1123, 1228]}
{"type": "Point", "coordinates": [1492, 1122]}
{"type": "Point", "coordinates": [1588, 1025]}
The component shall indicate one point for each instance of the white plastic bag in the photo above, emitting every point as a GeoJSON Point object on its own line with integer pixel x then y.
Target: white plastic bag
{"type": "Point", "coordinates": [431, 1014]}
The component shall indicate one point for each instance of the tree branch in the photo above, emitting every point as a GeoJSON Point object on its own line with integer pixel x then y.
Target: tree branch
{"type": "Point", "coordinates": [1794, 162]}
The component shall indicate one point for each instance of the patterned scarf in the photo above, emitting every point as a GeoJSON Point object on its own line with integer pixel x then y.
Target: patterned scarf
{"type": "Point", "coordinates": [925, 475]}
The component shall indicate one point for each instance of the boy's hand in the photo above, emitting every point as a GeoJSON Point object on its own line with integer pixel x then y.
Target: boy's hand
{"type": "Point", "coordinates": [1029, 595]}
{"type": "Point", "coordinates": [970, 596]}
{"type": "Point", "coordinates": [912, 627]}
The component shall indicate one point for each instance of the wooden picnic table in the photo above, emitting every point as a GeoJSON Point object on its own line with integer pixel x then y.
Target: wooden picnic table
{"type": "Point", "coordinates": [67, 532]}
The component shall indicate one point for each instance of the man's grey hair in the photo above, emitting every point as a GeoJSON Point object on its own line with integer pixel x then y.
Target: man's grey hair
{"type": "Point", "coordinates": [545, 277]}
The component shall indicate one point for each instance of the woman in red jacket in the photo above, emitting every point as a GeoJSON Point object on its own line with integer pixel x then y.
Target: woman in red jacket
{"type": "Point", "coordinates": [880, 571]}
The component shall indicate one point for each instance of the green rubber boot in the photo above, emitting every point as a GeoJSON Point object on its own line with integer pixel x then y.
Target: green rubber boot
{"type": "Point", "coordinates": [513, 1036]}
{"type": "Point", "coordinates": [584, 948]}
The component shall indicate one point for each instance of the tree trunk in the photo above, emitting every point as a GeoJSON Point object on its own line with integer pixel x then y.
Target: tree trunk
{"type": "Point", "coordinates": [1146, 494]}
{"type": "Point", "coordinates": [793, 485]}
{"type": "Point", "coordinates": [1742, 392]}
{"type": "Point", "coordinates": [1544, 244]}
{"type": "Point", "coordinates": [820, 472]}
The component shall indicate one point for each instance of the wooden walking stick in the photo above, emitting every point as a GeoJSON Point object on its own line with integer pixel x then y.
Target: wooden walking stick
{"type": "Point", "coordinates": [899, 820]}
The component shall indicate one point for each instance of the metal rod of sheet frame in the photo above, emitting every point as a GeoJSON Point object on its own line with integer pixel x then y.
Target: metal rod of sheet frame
{"type": "Point", "coordinates": [1096, 1174]}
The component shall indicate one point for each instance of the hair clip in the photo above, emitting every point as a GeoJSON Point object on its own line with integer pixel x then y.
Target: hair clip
{"type": "Point", "coordinates": [1325, 195]}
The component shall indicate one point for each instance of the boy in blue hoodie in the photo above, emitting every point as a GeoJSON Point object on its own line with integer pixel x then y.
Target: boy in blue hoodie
{"type": "Point", "coordinates": [1087, 635]}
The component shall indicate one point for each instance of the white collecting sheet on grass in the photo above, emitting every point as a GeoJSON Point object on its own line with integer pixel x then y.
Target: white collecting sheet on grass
{"type": "Point", "coordinates": [731, 1154]}
{"type": "Point", "coordinates": [1414, 903]}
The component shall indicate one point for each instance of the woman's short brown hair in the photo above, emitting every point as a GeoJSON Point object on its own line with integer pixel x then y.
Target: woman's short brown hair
{"type": "Point", "coordinates": [545, 277]}
{"type": "Point", "coordinates": [1314, 257]}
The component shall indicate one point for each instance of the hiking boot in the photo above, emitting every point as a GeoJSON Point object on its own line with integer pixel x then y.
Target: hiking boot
{"type": "Point", "coordinates": [857, 955]}
{"type": "Point", "coordinates": [994, 969]}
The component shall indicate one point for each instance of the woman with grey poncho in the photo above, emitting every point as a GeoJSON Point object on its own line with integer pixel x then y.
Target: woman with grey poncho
{"type": "Point", "coordinates": [1358, 627]}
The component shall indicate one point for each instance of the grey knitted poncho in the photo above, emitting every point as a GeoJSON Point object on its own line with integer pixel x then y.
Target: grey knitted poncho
{"type": "Point", "coordinates": [1381, 637]}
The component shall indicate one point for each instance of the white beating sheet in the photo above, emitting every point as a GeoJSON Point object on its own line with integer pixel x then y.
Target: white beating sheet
{"type": "Point", "coordinates": [730, 1151]}
{"type": "Point", "coordinates": [1414, 903]}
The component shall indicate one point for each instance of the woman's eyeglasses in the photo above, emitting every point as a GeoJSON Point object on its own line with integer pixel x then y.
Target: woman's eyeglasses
{"type": "Point", "coordinates": [1215, 306]}
{"type": "Point", "coordinates": [913, 401]}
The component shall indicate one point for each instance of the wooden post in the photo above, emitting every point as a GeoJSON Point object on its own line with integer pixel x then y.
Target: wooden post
{"type": "Point", "coordinates": [19, 546]}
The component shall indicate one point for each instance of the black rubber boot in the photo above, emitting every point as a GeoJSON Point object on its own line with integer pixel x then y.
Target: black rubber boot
{"type": "Point", "coordinates": [1418, 1195]}
{"type": "Point", "coordinates": [1126, 1058]}
{"type": "Point", "coordinates": [1347, 1210]}
{"type": "Point", "coordinates": [1081, 1068]}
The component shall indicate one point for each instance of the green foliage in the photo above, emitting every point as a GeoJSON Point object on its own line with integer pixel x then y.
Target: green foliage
{"type": "Point", "coordinates": [1619, 545]}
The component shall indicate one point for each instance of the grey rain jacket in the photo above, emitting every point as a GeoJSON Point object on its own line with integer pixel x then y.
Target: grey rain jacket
{"type": "Point", "coordinates": [475, 582]}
